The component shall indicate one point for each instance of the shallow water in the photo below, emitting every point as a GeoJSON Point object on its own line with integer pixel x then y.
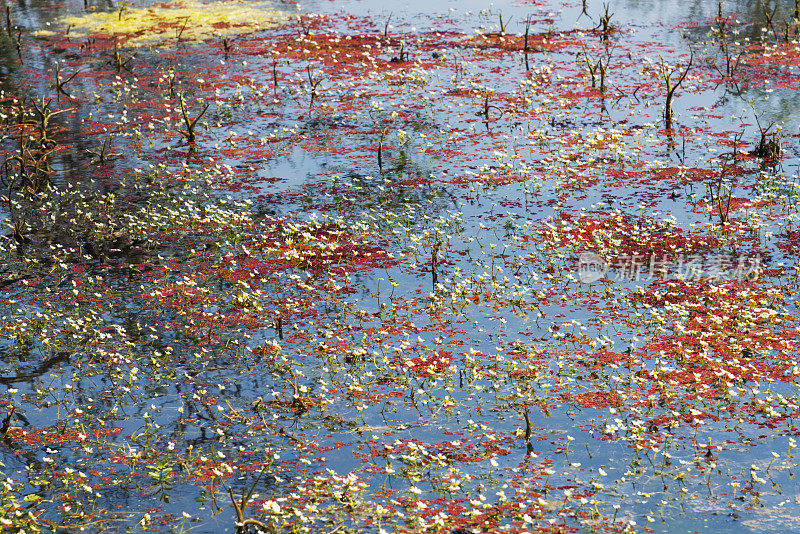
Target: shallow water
{"type": "Point", "coordinates": [257, 310]}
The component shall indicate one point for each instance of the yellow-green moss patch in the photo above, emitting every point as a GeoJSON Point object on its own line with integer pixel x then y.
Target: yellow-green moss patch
{"type": "Point", "coordinates": [162, 23]}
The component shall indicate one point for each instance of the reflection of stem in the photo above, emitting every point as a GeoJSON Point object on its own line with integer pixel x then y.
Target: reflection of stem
{"type": "Point", "coordinates": [210, 331]}
{"type": "Point", "coordinates": [18, 44]}
{"type": "Point", "coordinates": [8, 22]}
{"type": "Point", "coordinates": [602, 75]}
{"type": "Point", "coordinates": [7, 421]}
{"type": "Point", "coordinates": [434, 260]}
{"type": "Point", "coordinates": [380, 150]}
{"type": "Point", "coordinates": [723, 213]}
{"type": "Point", "coordinates": [708, 481]}
{"type": "Point", "coordinates": [313, 83]}
{"type": "Point", "coordinates": [525, 48]}
{"type": "Point", "coordinates": [591, 68]}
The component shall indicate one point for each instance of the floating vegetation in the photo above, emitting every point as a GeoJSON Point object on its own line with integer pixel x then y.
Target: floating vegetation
{"type": "Point", "coordinates": [164, 23]}
{"type": "Point", "coordinates": [521, 270]}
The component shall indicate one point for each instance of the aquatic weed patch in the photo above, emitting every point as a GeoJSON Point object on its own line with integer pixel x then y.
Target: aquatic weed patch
{"type": "Point", "coordinates": [619, 238]}
{"type": "Point", "coordinates": [162, 23]}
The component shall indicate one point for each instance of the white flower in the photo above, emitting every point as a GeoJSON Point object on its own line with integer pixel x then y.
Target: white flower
{"type": "Point", "coordinates": [272, 507]}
